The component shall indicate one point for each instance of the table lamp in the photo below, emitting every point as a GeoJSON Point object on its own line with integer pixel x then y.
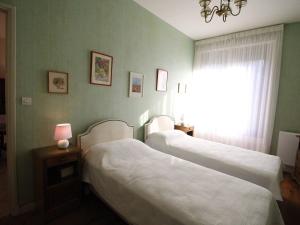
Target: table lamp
{"type": "Point", "coordinates": [62, 133]}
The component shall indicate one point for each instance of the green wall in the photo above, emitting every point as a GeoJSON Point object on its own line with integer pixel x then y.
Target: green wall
{"type": "Point", "coordinates": [288, 105]}
{"type": "Point", "coordinates": [59, 35]}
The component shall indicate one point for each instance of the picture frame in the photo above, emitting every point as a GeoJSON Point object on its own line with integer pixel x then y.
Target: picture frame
{"type": "Point", "coordinates": [101, 69]}
{"type": "Point", "coordinates": [58, 82]}
{"type": "Point", "coordinates": [136, 84]}
{"type": "Point", "coordinates": [161, 80]}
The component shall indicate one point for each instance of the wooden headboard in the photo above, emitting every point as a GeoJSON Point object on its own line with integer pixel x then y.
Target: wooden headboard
{"type": "Point", "coordinates": [104, 131]}
{"type": "Point", "coordinates": [158, 123]}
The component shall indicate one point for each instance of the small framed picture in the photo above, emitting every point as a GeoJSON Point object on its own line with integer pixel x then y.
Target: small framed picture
{"type": "Point", "coordinates": [136, 84]}
{"type": "Point", "coordinates": [101, 69]}
{"type": "Point", "coordinates": [161, 80]}
{"type": "Point", "coordinates": [58, 82]}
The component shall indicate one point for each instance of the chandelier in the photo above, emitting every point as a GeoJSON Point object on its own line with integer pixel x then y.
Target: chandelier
{"type": "Point", "coordinates": [224, 10]}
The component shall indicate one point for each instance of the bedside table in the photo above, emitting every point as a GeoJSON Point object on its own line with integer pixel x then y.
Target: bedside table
{"type": "Point", "coordinates": [57, 180]}
{"type": "Point", "coordinates": [189, 130]}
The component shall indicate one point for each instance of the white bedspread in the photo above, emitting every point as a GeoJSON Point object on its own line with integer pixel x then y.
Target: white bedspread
{"type": "Point", "coordinates": [259, 168]}
{"type": "Point", "coordinates": [148, 187]}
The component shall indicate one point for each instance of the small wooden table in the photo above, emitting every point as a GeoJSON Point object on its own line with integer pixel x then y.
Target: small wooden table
{"type": "Point", "coordinates": [189, 130]}
{"type": "Point", "coordinates": [57, 180]}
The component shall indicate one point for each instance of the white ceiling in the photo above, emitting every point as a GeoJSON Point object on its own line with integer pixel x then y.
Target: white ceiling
{"type": "Point", "coordinates": [184, 15]}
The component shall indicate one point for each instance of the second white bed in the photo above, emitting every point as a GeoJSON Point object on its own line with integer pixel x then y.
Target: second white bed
{"type": "Point", "coordinates": [259, 168]}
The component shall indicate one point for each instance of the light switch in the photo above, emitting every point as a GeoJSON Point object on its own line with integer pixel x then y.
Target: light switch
{"type": "Point", "coordinates": [26, 101]}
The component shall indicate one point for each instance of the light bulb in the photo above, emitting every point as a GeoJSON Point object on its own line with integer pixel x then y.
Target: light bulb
{"type": "Point", "coordinates": [205, 11]}
{"type": "Point", "coordinates": [204, 3]}
{"type": "Point", "coordinates": [240, 3]}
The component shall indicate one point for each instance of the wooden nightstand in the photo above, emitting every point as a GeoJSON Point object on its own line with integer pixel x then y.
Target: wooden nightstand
{"type": "Point", "coordinates": [189, 130]}
{"type": "Point", "coordinates": [57, 180]}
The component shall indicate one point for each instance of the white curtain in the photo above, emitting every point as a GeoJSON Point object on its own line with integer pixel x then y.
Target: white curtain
{"type": "Point", "coordinates": [235, 87]}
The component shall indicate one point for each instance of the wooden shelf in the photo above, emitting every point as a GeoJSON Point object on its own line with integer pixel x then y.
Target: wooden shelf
{"type": "Point", "coordinates": [64, 183]}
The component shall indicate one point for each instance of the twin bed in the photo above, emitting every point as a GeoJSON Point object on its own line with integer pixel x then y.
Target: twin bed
{"type": "Point", "coordinates": [149, 187]}
{"type": "Point", "coordinates": [259, 168]}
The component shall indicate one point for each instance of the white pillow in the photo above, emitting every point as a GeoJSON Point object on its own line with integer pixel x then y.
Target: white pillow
{"type": "Point", "coordinates": [170, 134]}
{"type": "Point", "coordinates": [166, 136]}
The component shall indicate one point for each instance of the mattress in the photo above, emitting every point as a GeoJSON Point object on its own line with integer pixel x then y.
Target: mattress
{"type": "Point", "coordinates": [256, 167]}
{"type": "Point", "coordinates": [148, 187]}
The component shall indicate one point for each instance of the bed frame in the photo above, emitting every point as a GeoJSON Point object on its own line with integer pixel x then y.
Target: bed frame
{"type": "Point", "coordinates": [104, 131]}
{"type": "Point", "coordinates": [158, 123]}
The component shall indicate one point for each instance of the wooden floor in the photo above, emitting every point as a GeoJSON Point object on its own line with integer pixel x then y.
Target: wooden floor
{"type": "Point", "coordinates": [91, 212]}
{"type": "Point", "coordinates": [290, 207]}
{"type": "Point", "coordinates": [94, 212]}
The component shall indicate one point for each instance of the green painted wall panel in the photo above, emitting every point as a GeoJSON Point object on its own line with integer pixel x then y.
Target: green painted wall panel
{"type": "Point", "coordinates": [59, 35]}
{"type": "Point", "coordinates": [288, 105]}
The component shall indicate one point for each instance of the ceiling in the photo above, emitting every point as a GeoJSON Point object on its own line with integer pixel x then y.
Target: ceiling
{"type": "Point", "coordinates": [184, 15]}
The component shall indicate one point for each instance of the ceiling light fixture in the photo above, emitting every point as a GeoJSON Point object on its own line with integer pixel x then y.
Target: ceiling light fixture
{"type": "Point", "coordinates": [224, 10]}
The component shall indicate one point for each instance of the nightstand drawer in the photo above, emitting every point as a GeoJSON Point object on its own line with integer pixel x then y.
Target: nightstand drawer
{"type": "Point", "coordinates": [61, 160]}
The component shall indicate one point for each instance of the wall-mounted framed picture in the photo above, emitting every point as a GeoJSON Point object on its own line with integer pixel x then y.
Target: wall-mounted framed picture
{"type": "Point", "coordinates": [161, 80]}
{"type": "Point", "coordinates": [136, 84]}
{"type": "Point", "coordinates": [58, 82]}
{"type": "Point", "coordinates": [101, 68]}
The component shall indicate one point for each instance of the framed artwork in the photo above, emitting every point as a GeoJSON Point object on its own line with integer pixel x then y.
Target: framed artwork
{"type": "Point", "coordinates": [101, 69]}
{"type": "Point", "coordinates": [161, 80]}
{"type": "Point", "coordinates": [58, 82]}
{"type": "Point", "coordinates": [136, 84]}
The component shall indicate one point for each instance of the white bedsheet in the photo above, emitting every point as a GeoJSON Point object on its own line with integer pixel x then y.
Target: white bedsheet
{"type": "Point", "coordinates": [259, 168]}
{"type": "Point", "coordinates": [148, 187]}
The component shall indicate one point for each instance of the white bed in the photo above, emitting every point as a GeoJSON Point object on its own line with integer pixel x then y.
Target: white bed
{"type": "Point", "coordinates": [148, 187]}
{"type": "Point", "coordinates": [259, 168]}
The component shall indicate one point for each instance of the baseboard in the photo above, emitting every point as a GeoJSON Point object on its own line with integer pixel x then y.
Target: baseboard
{"type": "Point", "coordinates": [29, 207]}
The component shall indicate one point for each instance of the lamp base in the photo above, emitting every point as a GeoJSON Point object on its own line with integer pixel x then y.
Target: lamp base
{"type": "Point", "coordinates": [63, 144]}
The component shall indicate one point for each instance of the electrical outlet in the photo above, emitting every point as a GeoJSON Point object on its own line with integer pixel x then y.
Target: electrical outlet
{"type": "Point", "coordinates": [26, 101]}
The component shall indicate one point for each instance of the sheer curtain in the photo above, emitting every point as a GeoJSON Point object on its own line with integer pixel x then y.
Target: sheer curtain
{"type": "Point", "coordinates": [235, 86]}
